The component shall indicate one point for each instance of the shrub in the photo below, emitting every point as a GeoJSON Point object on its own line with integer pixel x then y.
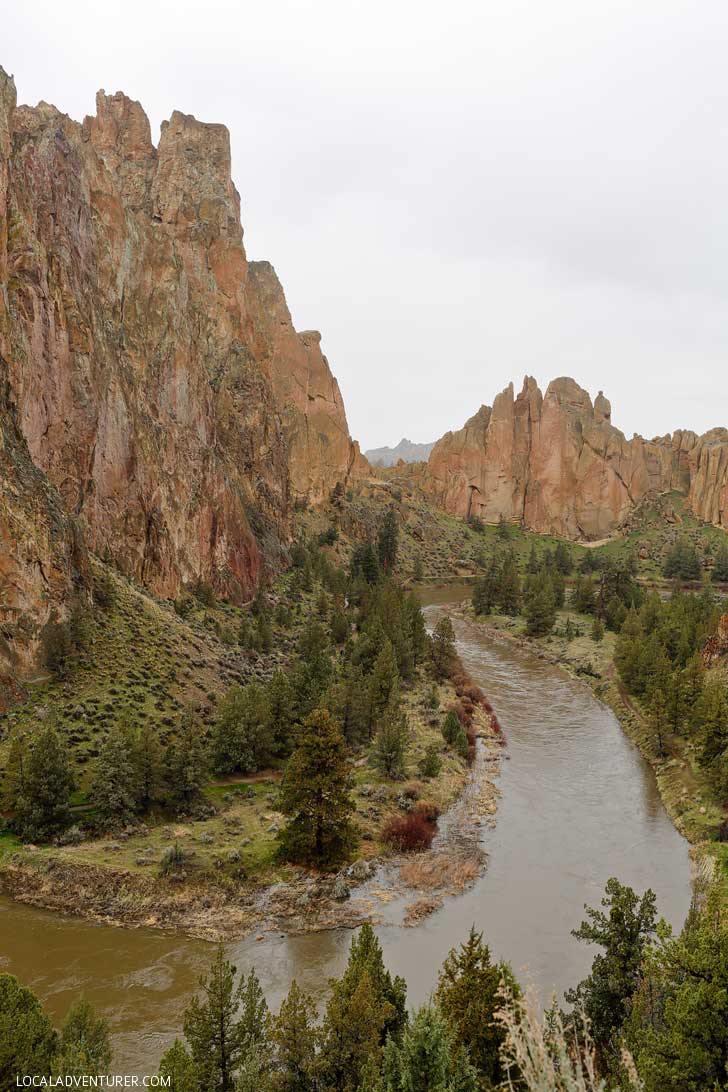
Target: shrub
{"type": "Point", "coordinates": [410, 833]}
{"type": "Point", "coordinates": [172, 860]}
{"type": "Point", "coordinates": [431, 764]}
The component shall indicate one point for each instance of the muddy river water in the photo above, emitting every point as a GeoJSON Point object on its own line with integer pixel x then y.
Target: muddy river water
{"type": "Point", "coordinates": [578, 805]}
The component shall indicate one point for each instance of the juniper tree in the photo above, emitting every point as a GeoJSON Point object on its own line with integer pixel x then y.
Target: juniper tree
{"type": "Point", "coordinates": [85, 1047]}
{"type": "Point", "coordinates": [391, 740]}
{"type": "Point", "coordinates": [442, 649]}
{"type": "Point", "coordinates": [468, 995]}
{"type": "Point", "coordinates": [624, 932]}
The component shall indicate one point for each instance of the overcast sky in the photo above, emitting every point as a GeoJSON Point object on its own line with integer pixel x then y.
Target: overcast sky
{"type": "Point", "coordinates": [454, 193]}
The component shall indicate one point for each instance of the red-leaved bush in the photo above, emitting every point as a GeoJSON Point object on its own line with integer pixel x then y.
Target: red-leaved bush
{"type": "Point", "coordinates": [410, 833]}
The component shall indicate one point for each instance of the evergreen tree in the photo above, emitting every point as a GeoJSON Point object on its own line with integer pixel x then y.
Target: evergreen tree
{"type": "Point", "coordinates": [213, 1028]}
{"type": "Point", "coordinates": [241, 737]}
{"type": "Point", "coordinates": [366, 959]}
{"type": "Point", "coordinates": [84, 1043]}
{"type": "Point", "coordinates": [682, 561]}
{"type": "Point", "coordinates": [583, 597]}
{"type": "Point", "coordinates": [539, 606]}
{"type": "Point", "coordinates": [503, 531]}
{"type": "Point", "coordinates": [533, 564]}
{"type": "Point", "coordinates": [28, 1042]}
{"type": "Point", "coordinates": [186, 767]}
{"type": "Point", "coordinates": [350, 1036]}
{"type": "Point", "coordinates": [712, 712]}
{"type": "Point", "coordinates": [148, 762]}
{"type": "Point", "coordinates": [281, 707]}
{"type": "Point", "coordinates": [384, 682]}
{"type": "Point", "coordinates": [315, 795]}
{"type": "Point", "coordinates": [625, 932]}
{"type": "Point", "coordinates": [43, 808]}
{"type": "Point", "coordinates": [115, 787]}
{"type": "Point", "coordinates": [294, 1037]}
{"type": "Point", "coordinates": [597, 630]}
{"type": "Point", "coordinates": [468, 997]}
{"type": "Point", "coordinates": [508, 598]}
{"type": "Point", "coordinates": [57, 648]}
{"type": "Point", "coordinates": [16, 767]}
{"type": "Point", "coordinates": [179, 1069]}
{"type": "Point", "coordinates": [418, 572]}
{"type": "Point", "coordinates": [658, 721]}
{"type": "Point", "coordinates": [486, 589]}
{"type": "Point", "coordinates": [391, 740]}
{"type": "Point", "coordinates": [719, 574]}
{"type": "Point", "coordinates": [443, 647]}
{"type": "Point", "coordinates": [678, 1026]}
{"type": "Point", "coordinates": [427, 1059]}
{"type": "Point", "coordinates": [451, 728]}
{"type": "Point", "coordinates": [562, 559]}
{"type": "Point", "coordinates": [387, 541]}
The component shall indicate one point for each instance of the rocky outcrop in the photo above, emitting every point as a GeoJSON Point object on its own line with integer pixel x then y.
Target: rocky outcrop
{"type": "Point", "coordinates": [556, 464]}
{"type": "Point", "coordinates": [320, 450]}
{"type": "Point", "coordinates": [162, 404]}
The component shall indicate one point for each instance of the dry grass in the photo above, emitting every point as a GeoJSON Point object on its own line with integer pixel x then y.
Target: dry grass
{"type": "Point", "coordinates": [440, 872]}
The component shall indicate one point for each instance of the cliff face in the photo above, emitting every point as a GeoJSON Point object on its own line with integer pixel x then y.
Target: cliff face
{"type": "Point", "coordinates": [558, 465]}
{"type": "Point", "coordinates": [152, 379]}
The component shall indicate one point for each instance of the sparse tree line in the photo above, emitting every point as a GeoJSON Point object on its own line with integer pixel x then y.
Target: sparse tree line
{"type": "Point", "coordinates": [652, 1015]}
{"type": "Point", "coordinates": [341, 694]}
{"type": "Point", "coordinates": [606, 589]}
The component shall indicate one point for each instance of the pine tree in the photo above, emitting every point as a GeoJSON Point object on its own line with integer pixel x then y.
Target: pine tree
{"type": "Point", "coordinates": [390, 742]}
{"type": "Point", "coordinates": [451, 728]}
{"type": "Point", "coordinates": [294, 1037]}
{"type": "Point", "coordinates": [351, 1036]}
{"type": "Point", "coordinates": [509, 588]}
{"type": "Point", "coordinates": [562, 559]}
{"type": "Point", "coordinates": [186, 764]}
{"type": "Point", "coordinates": [115, 787]}
{"type": "Point", "coordinates": [365, 958]}
{"type": "Point", "coordinates": [503, 531]}
{"type": "Point", "coordinates": [583, 598]}
{"type": "Point", "coordinates": [315, 795]}
{"type": "Point", "coordinates": [43, 808]}
{"type": "Point", "coordinates": [468, 996]}
{"type": "Point", "coordinates": [597, 630]}
{"type": "Point", "coordinates": [148, 762]}
{"type": "Point", "coordinates": [213, 1028]}
{"type": "Point", "coordinates": [539, 606]}
{"type": "Point", "coordinates": [384, 681]}
{"type": "Point", "coordinates": [281, 703]}
{"type": "Point", "coordinates": [241, 737]}
{"type": "Point", "coordinates": [387, 541]}
{"type": "Point", "coordinates": [658, 721]}
{"type": "Point", "coordinates": [443, 647]}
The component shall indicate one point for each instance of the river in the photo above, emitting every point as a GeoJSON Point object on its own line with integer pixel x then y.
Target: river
{"type": "Point", "coordinates": [578, 805]}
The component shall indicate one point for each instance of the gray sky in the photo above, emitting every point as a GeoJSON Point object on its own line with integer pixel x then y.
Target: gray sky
{"type": "Point", "coordinates": [457, 193]}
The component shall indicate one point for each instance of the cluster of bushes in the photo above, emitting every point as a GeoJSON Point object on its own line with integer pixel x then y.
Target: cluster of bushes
{"type": "Point", "coordinates": [413, 831]}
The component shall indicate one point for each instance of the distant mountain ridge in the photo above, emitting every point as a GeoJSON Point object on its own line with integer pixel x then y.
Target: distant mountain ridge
{"type": "Point", "coordinates": [405, 450]}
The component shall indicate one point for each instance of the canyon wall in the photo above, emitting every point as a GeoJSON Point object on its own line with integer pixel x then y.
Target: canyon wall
{"type": "Point", "coordinates": [556, 464]}
{"type": "Point", "coordinates": [157, 404]}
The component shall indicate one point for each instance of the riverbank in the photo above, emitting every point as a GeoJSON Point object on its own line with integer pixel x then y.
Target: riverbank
{"type": "Point", "coordinates": [231, 882]}
{"type": "Point", "coordinates": [683, 787]}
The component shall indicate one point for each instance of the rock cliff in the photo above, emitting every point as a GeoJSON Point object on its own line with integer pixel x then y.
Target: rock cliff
{"type": "Point", "coordinates": [156, 403]}
{"type": "Point", "coordinates": [556, 464]}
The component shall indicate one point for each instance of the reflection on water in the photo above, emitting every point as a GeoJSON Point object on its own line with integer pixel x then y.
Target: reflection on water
{"type": "Point", "coordinates": [579, 805]}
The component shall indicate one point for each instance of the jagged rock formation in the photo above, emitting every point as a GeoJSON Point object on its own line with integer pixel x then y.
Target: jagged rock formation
{"type": "Point", "coordinates": [320, 450]}
{"type": "Point", "coordinates": [556, 464]}
{"type": "Point", "coordinates": [155, 397]}
{"type": "Point", "coordinates": [405, 450]}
